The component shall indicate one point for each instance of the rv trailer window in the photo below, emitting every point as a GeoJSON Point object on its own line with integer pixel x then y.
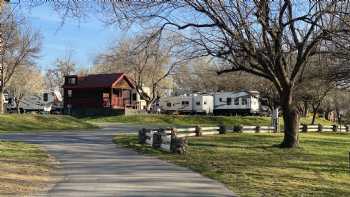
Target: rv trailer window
{"type": "Point", "coordinates": [168, 104]}
{"type": "Point", "coordinates": [205, 102]}
{"type": "Point", "coordinates": [229, 101]}
{"type": "Point", "coordinates": [244, 101]}
{"type": "Point", "coordinates": [236, 101]}
{"type": "Point", "coordinates": [198, 103]}
{"type": "Point", "coordinates": [185, 103]}
{"type": "Point", "coordinates": [45, 97]}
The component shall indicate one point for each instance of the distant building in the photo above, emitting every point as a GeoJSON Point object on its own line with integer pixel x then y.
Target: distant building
{"type": "Point", "coordinates": [99, 94]}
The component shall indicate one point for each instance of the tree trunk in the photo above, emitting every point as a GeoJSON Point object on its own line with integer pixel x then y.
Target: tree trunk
{"type": "Point", "coordinates": [315, 110]}
{"type": "Point", "coordinates": [17, 107]}
{"type": "Point", "coordinates": [2, 101]}
{"type": "Point", "coordinates": [291, 121]}
{"type": "Point", "coordinates": [313, 118]}
{"type": "Point", "coordinates": [306, 109]}
{"type": "Point", "coordinates": [149, 105]}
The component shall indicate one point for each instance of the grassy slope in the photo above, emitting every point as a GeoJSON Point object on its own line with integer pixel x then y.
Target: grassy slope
{"type": "Point", "coordinates": [193, 120]}
{"type": "Point", "coordinates": [250, 166]}
{"type": "Point", "coordinates": [24, 169]}
{"type": "Point", "coordinates": [28, 122]}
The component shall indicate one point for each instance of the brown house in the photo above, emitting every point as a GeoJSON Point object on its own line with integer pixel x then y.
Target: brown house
{"type": "Point", "coordinates": [98, 94]}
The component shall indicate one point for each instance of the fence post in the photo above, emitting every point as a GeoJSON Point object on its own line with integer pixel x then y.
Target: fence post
{"type": "Point", "coordinates": [320, 128]}
{"type": "Point", "coordinates": [222, 129]}
{"type": "Point", "coordinates": [173, 140]}
{"type": "Point", "coordinates": [335, 128]}
{"type": "Point", "coordinates": [157, 140]}
{"type": "Point", "coordinates": [198, 131]}
{"type": "Point", "coordinates": [237, 129]}
{"type": "Point", "coordinates": [257, 129]}
{"type": "Point", "coordinates": [304, 128]}
{"type": "Point", "coordinates": [142, 136]}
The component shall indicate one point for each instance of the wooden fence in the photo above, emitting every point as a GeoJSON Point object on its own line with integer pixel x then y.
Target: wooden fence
{"type": "Point", "coordinates": [323, 128]}
{"type": "Point", "coordinates": [255, 129]}
{"type": "Point", "coordinates": [174, 140]}
{"type": "Point", "coordinates": [302, 128]}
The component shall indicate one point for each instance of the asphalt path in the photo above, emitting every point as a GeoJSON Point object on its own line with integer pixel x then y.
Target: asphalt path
{"type": "Point", "coordinates": [92, 165]}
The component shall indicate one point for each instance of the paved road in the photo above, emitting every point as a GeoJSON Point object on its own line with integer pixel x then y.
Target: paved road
{"type": "Point", "coordinates": [91, 165]}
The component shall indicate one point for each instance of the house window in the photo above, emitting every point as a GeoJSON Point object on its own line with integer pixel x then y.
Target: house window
{"type": "Point", "coordinates": [134, 96]}
{"type": "Point", "coordinates": [198, 103]}
{"type": "Point", "coordinates": [70, 93]}
{"type": "Point", "coordinates": [236, 101]}
{"type": "Point", "coordinates": [168, 104]}
{"type": "Point", "coordinates": [229, 101]}
{"type": "Point", "coordinates": [45, 97]}
{"type": "Point", "coordinates": [72, 81]}
{"type": "Point", "coordinates": [220, 99]}
{"type": "Point", "coordinates": [244, 101]}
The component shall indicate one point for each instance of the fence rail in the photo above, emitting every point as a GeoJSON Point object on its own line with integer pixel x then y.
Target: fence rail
{"type": "Point", "coordinates": [174, 140]}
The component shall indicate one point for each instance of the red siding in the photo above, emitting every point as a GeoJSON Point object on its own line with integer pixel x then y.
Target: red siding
{"type": "Point", "coordinates": [117, 102]}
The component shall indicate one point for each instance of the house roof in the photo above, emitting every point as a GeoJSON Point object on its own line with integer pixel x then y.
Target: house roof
{"type": "Point", "coordinates": [98, 80]}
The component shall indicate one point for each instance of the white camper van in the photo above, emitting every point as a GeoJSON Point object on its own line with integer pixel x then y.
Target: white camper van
{"type": "Point", "coordinates": [241, 102]}
{"type": "Point", "coordinates": [44, 102]}
{"type": "Point", "coordinates": [195, 103]}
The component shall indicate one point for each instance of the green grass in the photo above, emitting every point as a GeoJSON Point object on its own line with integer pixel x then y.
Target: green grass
{"type": "Point", "coordinates": [24, 169]}
{"type": "Point", "coordinates": [29, 122]}
{"type": "Point", "coordinates": [181, 120]}
{"type": "Point", "coordinates": [250, 166]}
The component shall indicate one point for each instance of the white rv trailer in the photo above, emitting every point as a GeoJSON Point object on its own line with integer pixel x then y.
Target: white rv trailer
{"type": "Point", "coordinates": [240, 102]}
{"type": "Point", "coordinates": [195, 103]}
{"type": "Point", "coordinates": [138, 101]}
{"type": "Point", "coordinates": [44, 102]}
{"type": "Point", "coordinates": [203, 104]}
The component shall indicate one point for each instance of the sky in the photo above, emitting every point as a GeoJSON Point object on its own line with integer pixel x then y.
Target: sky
{"type": "Point", "coordinates": [85, 39]}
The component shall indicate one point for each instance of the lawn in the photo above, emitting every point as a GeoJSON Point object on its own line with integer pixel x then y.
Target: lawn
{"type": "Point", "coordinates": [182, 120]}
{"type": "Point", "coordinates": [29, 122]}
{"type": "Point", "coordinates": [24, 169]}
{"type": "Point", "coordinates": [250, 166]}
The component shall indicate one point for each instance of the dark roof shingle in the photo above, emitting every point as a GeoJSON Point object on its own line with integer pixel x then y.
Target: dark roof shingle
{"type": "Point", "coordinates": [97, 80]}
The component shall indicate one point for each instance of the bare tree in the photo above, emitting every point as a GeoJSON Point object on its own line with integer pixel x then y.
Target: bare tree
{"type": "Point", "coordinates": [148, 64]}
{"type": "Point", "coordinates": [62, 67]}
{"type": "Point", "coordinates": [199, 75]}
{"type": "Point", "coordinates": [270, 39]}
{"type": "Point", "coordinates": [315, 85]}
{"type": "Point", "coordinates": [25, 81]}
{"type": "Point", "coordinates": [20, 47]}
